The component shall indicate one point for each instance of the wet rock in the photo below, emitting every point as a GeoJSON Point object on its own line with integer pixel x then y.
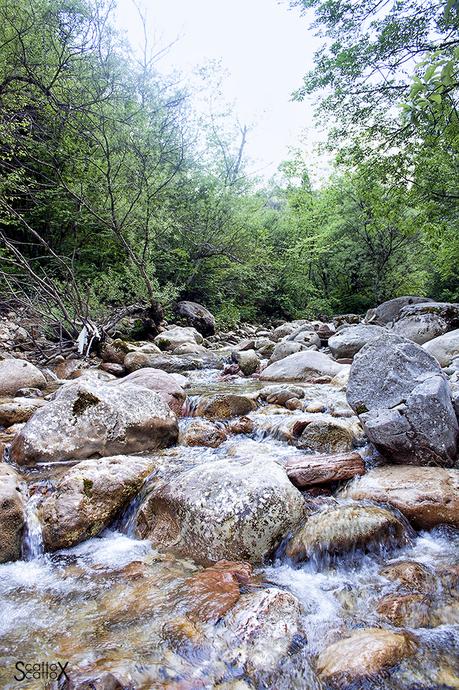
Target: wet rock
{"type": "Point", "coordinates": [248, 361]}
{"type": "Point", "coordinates": [18, 373]}
{"type": "Point", "coordinates": [348, 341]}
{"type": "Point", "coordinates": [18, 410]}
{"type": "Point", "coordinates": [420, 327]}
{"type": "Point", "coordinates": [208, 595]}
{"type": "Point", "coordinates": [174, 364]}
{"type": "Point", "coordinates": [310, 470]}
{"type": "Point", "coordinates": [389, 311]}
{"type": "Point", "coordinates": [243, 425]}
{"type": "Point", "coordinates": [12, 517]}
{"type": "Point", "coordinates": [301, 367]}
{"type": "Point", "coordinates": [284, 349]}
{"type": "Point", "coordinates": [113, 368]}
{"type": "Point", "coordinates": [404, 402]}
{"type": "Point", "coordinates": [324, 436]}
{"type": "Point", "coordinates": [427, 496]}
{"type": "Point", "coordinates": [86, 419]}
{"type": "Point", "coordinates": [445, 348]}
{"type": "Point", "coordinates": [224, 510]}
{"type": "Point", "coordinates": [87, 498]}
{"type": "Point", "coordinates": [344, 528]}
{"type": "Point", "coordinates": [173, 338]}
{"type": "Point", "coordinates": [263, 625]}
{"type": "Point", "coordinates": [409, 575]}
{"type": "Point", "coordinates": [70, 368]}
{"type": "Point", "coordinates": [197, 316]}
{"type": "Point", "coordinates": [404, 610]}
{"type": "Point", "coordinates": [279, 395]}
{"type": "Point", "coordinates": [224, 406]}
{"type": "Point", "coordinates": [203, 433]}
{"type": "Point", "coordinates": [365, 653]}
{"type": "Point", "coordinates": [159, 381]}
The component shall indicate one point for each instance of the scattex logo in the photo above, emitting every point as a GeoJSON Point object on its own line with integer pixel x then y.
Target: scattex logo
{"type": "Point", "coordinates": [40, 670]}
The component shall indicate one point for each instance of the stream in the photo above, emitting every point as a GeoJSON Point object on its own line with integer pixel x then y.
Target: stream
{"type": "Point", "coordinates": [114, 604]}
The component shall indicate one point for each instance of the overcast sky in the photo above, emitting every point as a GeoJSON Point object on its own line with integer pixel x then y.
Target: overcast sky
{"type": "Point", "coordinates": [266, 48]}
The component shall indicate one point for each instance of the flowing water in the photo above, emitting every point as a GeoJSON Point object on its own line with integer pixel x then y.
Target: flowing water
{"type": "Point", "coordinates": [115, 604]}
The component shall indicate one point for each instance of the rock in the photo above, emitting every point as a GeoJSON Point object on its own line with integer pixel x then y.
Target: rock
{"type": "Point", "coordinates": [305, 336]}
{"type": "Point", "coordinates": [113, 368]}
{"type": "Point", "coordinates": [324, 435]}
{"type": "Point", "coordinates": [344, 528]}
{"type": "Point", "coordinates": [115, 351]}
{"type": "Point", "coordinates": [284, 349]}
{"type": "Point", "coordinates": [448, 311]}
{"type": "Point", "coordinates": [280, 395]}
{"type": "Point", "coordinates": [208, 595]}
{"type": "Point", "coordinates": [348, 341]}
{"type": "Point", "coordinates": [173, 364]}
{"type": "Point", "coordinates": [18, 373]}
{"type": "Point", "coordinates": [197, 316]}
{"type": "Point", "coordinates": [410, 575]}
{"type": "Point", "coordinates": [389, 311]}
{"type": "Point", "coordinates": [224, 406]}
{"type": "Point", "coordinates": [87, 498]}
{"type": "Point", "coordinates": [177, 336]}
{"type": "Point", "coordinates": [92, 418]}
{"type": "Point", "coordinates": [222, 510]}
{"type": "Point", "coordinates": [12, 517]}
{"type": "Point", "coordinates": [70, 368]}
{"type": "Point", "coordinates": [408, 610]}
{"type": "Point", "coordinates": [365, 653]}
{"type": "Point", "coordinates": [189, 349]}
{"type": "Point", "coordinates": [159, 381]}
{"type": "Point", "coordinates": [263, 625]}
{"type": "Point", "coordinates": [200, 432]}
{"type": "Point", "coordinates": [421, 328]}
{"type": "Point", "coordinates": [286, 329]}
{"type": "Point", "coordinates": [243, 425]}
{"type": "Point", "coordinates": [248, 361]}
{"type": "Point", "coordinates": [404, 402]}
{"type": "Point", "coordinates": [301, 367]}
{"type": "Point", "coordinates": [18, 410]}
{"type": "Point", "coordinates": [445, 348]}
{"type": "Point", "coordinates": [309, 470]}
{"type": "Point", "coordinates": [427, 496]}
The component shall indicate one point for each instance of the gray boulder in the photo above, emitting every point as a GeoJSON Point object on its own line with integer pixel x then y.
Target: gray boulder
{"type": "Point", "coordinates": [178, 337]}
{"type": "Point", "coordinates": [284, 349]}
{"type": "Point", "coordinates": [302, 366]}
{"type": "Point", "coordinates": [172, 363]}
{"type": "Point", "coordinates": [248, 361]}
{"type": "Point", "coordinates": [404, 402]}
{"type": "Point", "coordinates": [348, 341]}
{"type": "Point", "coordinates": [92, 418]}
{"type": "Point", "coordinates": [222, 510]}
{"type": "Point", "coordinates": [389, 311]}
{"type": "Point", "coordinates": [445, 348]}
{"type": "Point", "coordinates": [420, 327]}
{"type": "Point", "coordinates": [196, 315]}
{"type": "Point", "coordinates": [16, 374]}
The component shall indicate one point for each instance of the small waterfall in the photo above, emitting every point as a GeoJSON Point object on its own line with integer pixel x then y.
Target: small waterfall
{"type": "Point", "coordinates": [126, 522]}
{"type": "Point", "coordinates": [32, 540]}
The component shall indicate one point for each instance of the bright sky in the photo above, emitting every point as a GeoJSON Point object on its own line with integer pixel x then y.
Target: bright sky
{"type": "Point", "coordinates": [263, 44]}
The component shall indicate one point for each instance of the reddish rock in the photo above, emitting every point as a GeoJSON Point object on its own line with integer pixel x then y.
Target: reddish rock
{"type": "Point", "coordinates": [309, 470]}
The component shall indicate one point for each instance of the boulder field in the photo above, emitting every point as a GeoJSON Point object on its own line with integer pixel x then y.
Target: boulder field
{"type": "Point", "coordinates": [286, 489]}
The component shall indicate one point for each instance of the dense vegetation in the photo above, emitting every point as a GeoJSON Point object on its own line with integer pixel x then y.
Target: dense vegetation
{"type": "Point", "coordinates": [113, 192]}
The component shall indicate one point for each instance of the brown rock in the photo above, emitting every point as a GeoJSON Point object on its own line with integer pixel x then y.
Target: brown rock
{"type": "Point", "coordinates": [18, 410]}
{"type": "Point", "coordinates": [113, 368]}
{"type": "Point", "coordinates": [243, 425]}
{"type": "Point", "coordinates": [322, 469]}
{"type": "Point", "coordinates": [11, 514]}
{"type": "Point", "coordinates": [427, 496]}
{"type": "Point", "coordinates": [410, 575]}
{"type": "Point", "coordinates": [224, 406]}
{"type": "Point", "coordinates": [201, 432]}
{"type": "Point", "coordinates": [410, 610]}
{"type": "Point", "coordinates": [69, 369]}
{"type": "Point", "coordinates": [365, 653]}
{"type": "Point", "coordinates": [324, 436]}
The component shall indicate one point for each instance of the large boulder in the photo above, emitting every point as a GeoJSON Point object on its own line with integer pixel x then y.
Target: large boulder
{"type": "Point", "coordinates": [284, 349]}
{"type": "Point", "coordinates": [448, 311]}
{"type": "Point", "coordinates": [302, 366]}
{"type": "Point", "coordinates": [12, 514]}
{"type": "Point", "coordinates": [157, 380]}
{"type": "Point", "coordinates": [16, 374]}
{"type": "Point", "coordinates": [222, 510]}
{"type": "Point", "coordinates": [420, 327]}
{"type": "Point", "coordinates": [348, 341]}
{"type": "Point", "coordinates": [248, 361]}
{"type": "Point", "coordinates": [92, 418]}
{"type": "Point", "coordinates": [404, 402]}
{"type": "Point", "coordinates": [174, 364]}
{"type": "Point", "coordinates": [365, 653]}
{"type": "Point", "coordinates": [344, 528]}
{"type": "Point", "coordinates": [87, 498]}
{"type": "Point", "coordinates": [389, 311]}
{"type": "Point", "coordinates": [309, 470]}
{"type": "Point", "coordinates": [445, 348]}
{"type": "Point", "coordinates": [178, 336]}
{"type": "Point", "coordinates": [18, 410]}
{"type": "Point", "coordinates": [224, 406]}
{"type": "Point", "coordinates": [197, 316]}
{"type": "Point", "coordinates": [427, 496]}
